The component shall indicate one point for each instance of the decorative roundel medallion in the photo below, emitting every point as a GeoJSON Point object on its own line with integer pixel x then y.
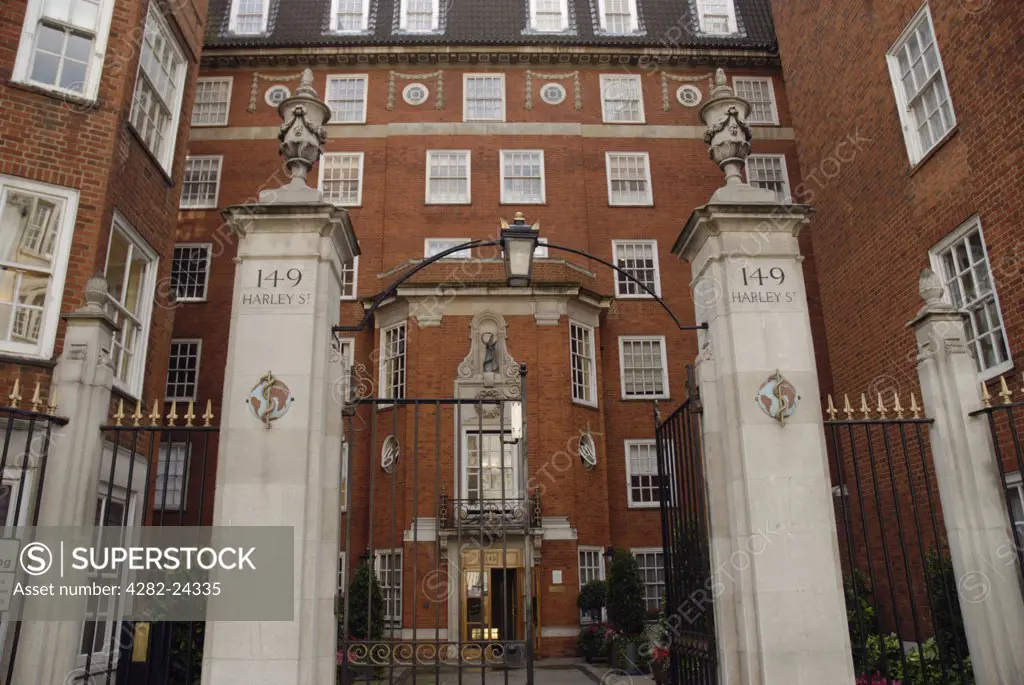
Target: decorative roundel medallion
{"type": "Point", "coordinates": [275, 95]}
{"type": "Point", "coordinates": [415, 94]}
{"type": "Point", "coordinates": [588, 451]}
{"type": "Point", "coordinates": [689, 96]}
{"type": "Point", "coordinates": [553, 93]}
{"type": "Point", "coordinates": [389, 454]}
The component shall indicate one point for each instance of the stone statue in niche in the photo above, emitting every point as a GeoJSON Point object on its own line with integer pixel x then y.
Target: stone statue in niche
{"type": "Point", "coordinates": [488, 363]}
{"type": "Point", "coordinates": [490, 352]}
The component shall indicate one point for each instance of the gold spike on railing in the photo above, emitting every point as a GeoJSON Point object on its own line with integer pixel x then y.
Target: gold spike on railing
{"type": "Point", "coordinates": [896, 406]}
{"type": "Point", "coordinates": [986, 399]}
{"type": "Point", "coordinates": [35, 398]}
{"type": "Point", "coordinates": [172, 415]}
{"type": "Point", "coordinates": [190, 415]}
{"type": "Point", "coordinates": [881, 407]}
{"type": "Point", "coordinates": [1004, 391]}
{"type": "Point", "coordinates": [915, 411]}
{"type": "Point", "coordinates": [864, 406]}
{"type": "Point", "coordinates": [208, 416]}
{"type": "Point", "coordinates": [847, 407]}
{"type": "Point", "coordinates": [831, 409]}
{"type": "Point", "coordinates": [119, 414]}
{"type": "Point", "coordinates": [15, 395]}
{"type": "Point", "coordinates": [53, 402]}
{"type": "Point", "coordinates": [137, 414]}
{"type": "Point", "coordinates": [154, 416]}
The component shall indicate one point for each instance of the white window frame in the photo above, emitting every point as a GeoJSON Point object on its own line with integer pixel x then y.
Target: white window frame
{"type": "Point", "coordinates": [788, 194]}
{"type": "Point", "coordinates": [612, 202]}
{"type": "Point", "coordinates": [771, 94]}
{"type": "Point", "coordinates": [216, 189]}
{"type": "Point", "coordinates": [513, 494]}
{"type": "Point", "coordinates": [730, 6]}
{"type": "Point", "coordinates": [623, 339]}
{"type": "Point", "coordinates": [206, 277]}
{"type": "Point", "coordinates": [592, 400]}
{"type": "Point", "coordinates": [365, 78]}
{"type": "Point", "coordinates": [633, 15]}
{"type": "Point", "coordinates": [469, 178]}
{"type": "Point", "coordinates": [22, 70]}
{"type": "Point", "coordinates": [606, 80]}
{"type": "Point", "coordinates": [403, 19]}
{"type": "Point", "coordinates": [466, 78]}
{"type": "Point", "coordinates": [365, 20]}
{"type": "Point", "coordinates": [132, 386]}
{"type": "Point", "coordinates": [166, 157]}
{"type": "Point", "coordinates": [935, 256]}
{"type": "Point", "coordinates": [657, 269]}
{"type": "Point", "coordinates": [355, 280]}
{"type": "Point", "coordinates": [68, 198]}
{"type": "Point", "coordinates": [163, 460]}
{"type": "Point", "coordinates": [564, 6]}
{"type": "Point", "coordinates": [323, 172]}
{"type": "Point", "coordinates": [601, 575]}
{"type": "Point", "coordinates": [915, 151]}
{"type": "Point", "coordinates": [390, 619]}
{"type": "Point", "coordinates": [1016, 484]}
{"type": "Point", "coordinates": [651, 550]}
{"type": "Point", "coordinates": [227, 109]}
{"type": "Point", "coordinates": [629, 474]}
{"type": "Point", "coordinates": [199, 360]}
{"type": "Point", "coordinates": [448, 243]}
{"type": "Point", "coordinates": [386, 390]}
{"type": "Point", "coordinates": [233, 22]}
{"type": "Point", "coordinates": [505, 199]}
{"type": "Point", "coordinates": [342, 572]}
{"type": "Point", "coordinates": [346, 450]}
{"type": "Point", "coordinates": [541, 251]}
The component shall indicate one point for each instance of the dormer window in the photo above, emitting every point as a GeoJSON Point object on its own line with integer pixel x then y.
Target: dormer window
{"type": "Point", "coordinates": [618, 16]}
{"type": "Point", "coordinates": [350, 16]}
{"type": "Point", "coordinates": [249, 17]}
{"type": "Point", "coordinates": [716, 17]}
{"type": "Point", "coordinates": [419, 16]}
{"type": "Point", "coordinates": [549, 15]}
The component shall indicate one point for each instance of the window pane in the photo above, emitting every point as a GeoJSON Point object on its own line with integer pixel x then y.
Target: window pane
{"type": "Point", "coordinates": [211, 103]}
{"type": "Point", "coordinates": [523, 176]}
{"type": "Point", "coordinates": [622, 99]}
{"type": "Point", "coordinates": [342, 178]}
{"type": "Point", "coordinates": [183, 370]}
{"type": "Point", "coordinates": [628, 181]}
{"type": "Point", "coordinates": [485, 96]}
{"type": "Point", "coordinates": [199, 185]}
{"type": "Point", "coordinates": [638, 260]}
{"type": "Point", "coordinates": [346, 97]}
{"type": "Point", "coordinates": [643, 374]}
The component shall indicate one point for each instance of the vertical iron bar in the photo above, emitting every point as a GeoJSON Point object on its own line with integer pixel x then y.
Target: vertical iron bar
{"type": "Point", "coordinates": [1017, 534]}
{"type": "Point", "coordinates": [370, 556]}
{"type": "Point", "coordinates": [438, 542]}
{"type": "Point", "coordinates": [528, 572]}
{"type": "Point", "coordinates": [415, 535]}
{"type": "Point", "coordinates": [396, 595]}
{"type": "Point", "coordinates": [346, 436]}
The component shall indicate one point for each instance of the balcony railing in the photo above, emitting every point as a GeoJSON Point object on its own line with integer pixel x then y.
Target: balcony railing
{"type": "Point", "coordinates": [510, 512]}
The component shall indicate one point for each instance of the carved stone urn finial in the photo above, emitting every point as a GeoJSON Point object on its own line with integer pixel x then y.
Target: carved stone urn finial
{"type": "Point", "coordinates": [930, 287]}
{"type": "Point", "coordinates": [728, 136]}
{"type": "Point", "coordinates": [96, 291]}
{"type": "Point", "coordinates": [302, 137]}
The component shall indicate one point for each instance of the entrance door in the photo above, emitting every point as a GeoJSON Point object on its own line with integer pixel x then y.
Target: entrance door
{"type": "Point", "coordinates": [505, 602]}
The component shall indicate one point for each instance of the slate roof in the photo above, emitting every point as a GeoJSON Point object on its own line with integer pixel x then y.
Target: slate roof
{"type": "Point", "coordinates": [663, 23]}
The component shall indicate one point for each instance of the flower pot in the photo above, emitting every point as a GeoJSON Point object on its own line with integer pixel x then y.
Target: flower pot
{"type": "Point", "coordinates": [660, 671]}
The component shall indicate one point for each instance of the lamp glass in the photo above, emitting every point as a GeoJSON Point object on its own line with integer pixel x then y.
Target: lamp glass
{"type": "Point", "coordinates": [519, 260]}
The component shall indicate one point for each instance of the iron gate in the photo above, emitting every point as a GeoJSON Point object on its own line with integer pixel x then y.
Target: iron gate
{"type": "Point", "coordinates": [686, 539]}
{"type": "Point", "coordinates": [435, 581]}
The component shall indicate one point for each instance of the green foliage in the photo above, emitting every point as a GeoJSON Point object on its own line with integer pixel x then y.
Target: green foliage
{"type": "Point", "coordinates": [945, 602]}
{"type": "Point", "coordinates": [592, 598]}
{"type": "Point", "coordinates": [365, 606]}
{"type": "Point", "coordinates": [595, 640]}
{"type": "Point", "coordinates": [860, 617]}
{"type": "Point", "coordinates": [626, 607]}
{"type": "Point", "coordinates": [920, 665]}
{"type": "Point", "coordinates": [186, 667]}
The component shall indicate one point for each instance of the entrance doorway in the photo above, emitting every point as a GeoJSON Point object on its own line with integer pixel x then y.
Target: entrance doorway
{"type": "Point", "coordinates": [492, 605]}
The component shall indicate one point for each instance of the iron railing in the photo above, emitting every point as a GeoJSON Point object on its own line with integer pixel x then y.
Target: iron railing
{"type": "Point", "coordinates": [511, 513]}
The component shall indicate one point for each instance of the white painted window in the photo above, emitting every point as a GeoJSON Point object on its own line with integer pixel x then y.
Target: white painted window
{"type": "Point", "coordinates": [448, 177]}
{"type": "Point", "coordinates": [350, 16]}
{"type": "Point", "coordinates": [716, 17]}
{"type": "Point", "coordinates": [760, 93]}
{"type": "Point", "coordinates": [388, 567]}
{"type": "Point", "coordinates": [350, 280]}
{"type": "Point", "coordinates": [158, 89]}
{"type": "Point", "coordinates": [644, 367]}
{"type": "Point", "coordinates": [638, 258]}
{"type": "Point", "coordinates": [541, 251]}
{"type": "Point", "coordinates": [922, 93]}
{"type": "Point", "coordinates": [36, 224]}
{"type": "Point", "coordinates": [652, 572]}
{"type": "Point", "coordinates": [1015, 496]}
{"type": "Point", "coordinates": [549, 15]}
{"type": "Point", "coordinates": [200, 185]}
{"type": "Point", "coordinates": [491, 468]}
{"type": "Point", "coordinates": [961, 260]}
{"type": "Point", "coordinates": [769, 172]}
{"type": "Point", "coordinates": [622, 99]}
{"type": "Point", "coordinates": [62, 45]}
{"type": "Point", "coordinates": [435, 246]}
{"type": "Point", "coordinates": [183, 369]}
{"type": "Point", "coordinates": [346, 96]}
{"type": "Point", "coordinates": [591, 569]}
{"type": "Point", "coordinates": [618, 16]}
{"type": "Point", "coordinates": [131, 274]}
{"type": "Point", "coordinates": [483, 97]}
{"type": "Point", "coordinates": [522, 177]}
{"type": "Point", "coordinates": [103, 613]}
{"type": "Point", "coordinates": [642, 482]}
{"type": "Point", "coordinates": [345, 449]}
{"type": "Point", "coordinates": [582, 363]}
{"type": "Point", "coordinates": [342, 573]}
{"type": "Point", "coordinates": [190, 271]}
{"type": "Point", "coordinates": [249, 17]}
{"type": "Point", "coordinates": [341, 178]}
{"type": "Point", "coordinates": [629, 179]}
{"type": "Point", "coordinates": [170, 488]}
{"type": "Point", "coordinates": [392, 361]}
{"type": "Point", "coordinates": [213, 101]}
{"type": "Point", "coordinates": [419, 16]}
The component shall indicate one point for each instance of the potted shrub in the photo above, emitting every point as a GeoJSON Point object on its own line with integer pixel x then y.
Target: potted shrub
{"type": "Point", "coordinates": [593, 641]}
{"type": "Point", "coordinates": [660, 665]}
{"type": "Point", "coordinates": [365, 622]}
{"type": "Point", "coordinates": [591, 599]}
{"type": "Point", "coordinates": [626, 611]}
